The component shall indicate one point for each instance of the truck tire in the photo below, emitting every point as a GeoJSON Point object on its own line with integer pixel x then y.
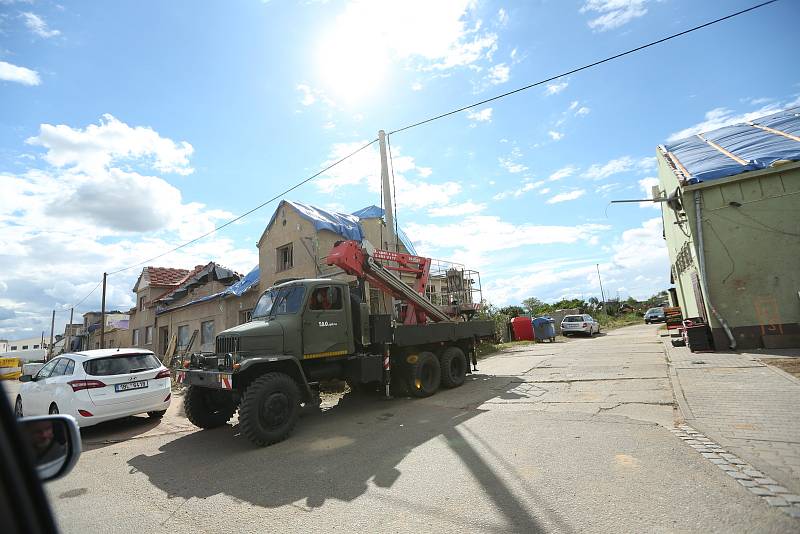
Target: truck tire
{"type": "Point", "coordinates": [269, 409]}
{"type": "Point", "coordinates": [208, 408]}
{"type": "Point", "coordinates": [454, 367]}
{"type": "Point", "coordinates": [426, 375]}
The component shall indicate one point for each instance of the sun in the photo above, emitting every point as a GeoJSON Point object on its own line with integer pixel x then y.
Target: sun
{"type": "Point", "coordinates": [352, 63]}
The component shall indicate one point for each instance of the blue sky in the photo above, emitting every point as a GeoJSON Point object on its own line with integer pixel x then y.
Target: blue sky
{"type": "Point", "coordinates": [129, 127]}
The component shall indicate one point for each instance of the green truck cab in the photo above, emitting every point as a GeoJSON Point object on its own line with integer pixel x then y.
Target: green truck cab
{"type": "Point", "coordinates": [306, 331]}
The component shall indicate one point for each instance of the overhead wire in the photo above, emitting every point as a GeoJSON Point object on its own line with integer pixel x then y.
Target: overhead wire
{"type": "Point", "coordinates": [584, 67]}
{"type": "Point", "coordinates": [248, 212]}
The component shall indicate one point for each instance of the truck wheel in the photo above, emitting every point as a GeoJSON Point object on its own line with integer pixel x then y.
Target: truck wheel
{"type": "Point", "coordinates": [454, 367]}
{"type": "Point", "coordinates": [269, 409]}
{"type": "Point", "coordinates": [208, 408]}
{"type": "Point", "coordinates": [426, 375]}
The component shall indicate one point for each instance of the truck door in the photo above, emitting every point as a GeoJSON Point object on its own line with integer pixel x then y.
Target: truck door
{"type": "Point", "coordinates": [326, 330]}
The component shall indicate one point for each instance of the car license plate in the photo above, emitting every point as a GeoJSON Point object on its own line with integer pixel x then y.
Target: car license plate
{"type": "Point", "coordinates": [131, 385]}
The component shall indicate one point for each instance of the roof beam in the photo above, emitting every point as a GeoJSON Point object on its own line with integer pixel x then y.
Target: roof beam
{"type": "Point", "coordinates": [731, 155]}
{"type": "Point", "coordinates": [774, 131]}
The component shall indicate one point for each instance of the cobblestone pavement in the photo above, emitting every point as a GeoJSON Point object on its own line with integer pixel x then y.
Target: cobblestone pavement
{"type": "Point", "coordinates": [747, 408]}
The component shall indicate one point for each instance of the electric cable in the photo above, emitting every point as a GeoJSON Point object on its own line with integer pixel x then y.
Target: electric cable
{"type": "Point", "coordinates": [248, 212]}
{"type": "Point", "coordinates": [584, 67]}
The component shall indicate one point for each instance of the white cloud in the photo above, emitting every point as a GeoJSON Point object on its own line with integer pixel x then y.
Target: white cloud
{"type": "Point", "coordinates": [416, 86]}
{"type": "Point", "coordinates": [37, 25]}
{"type": "Point", "coordinates": [14, 73]}
{"type": "Point", "coordinates": [555, 136]}
{"type": "Point", "coordinates": [308, 97]}
{"type": "Point", "coordinates": [476, 239]}
{"type": "Point", "coordinates": [646, 185]}
{"type": "Point", "coordinates": [563, 172]}
{"type": "Point", "coordinates": [581, 111]}
{"type": "Point", "coordinates": [721, 117]}
{"type": "Point", "coordinates": [599, 171]}
{"type": "Point", "coordinates": [544, 191]}
{"type": "Point", "coordinates": [364, 169]}
{"type": "Point", "coordinates": [512, 166]}
{"type": "Point", "coordinates": [555, 88]}
{"type": "Point", "coordinates": [604, 189]}
{"type": "Point", "coordinates": [644, 246]}
{"type": "Point", "coordinates": [502, 16]}
{"type": "Point", "coordinates": [98, 145]}
{"type": "Point", "coordinates": [613, 13]}
{"type": "Point", "coordinates": [90, 211]}
{"type": "Point", "coordinates": [499, 74]}
{"type": "Point", "coordinates": [484, 115]}
{"type": "Point", "coordinates": [457, 210]}
{"type": "Point", "coordinates": [564, 197]}
{"type": "Point", "coordinates": [527, 186]}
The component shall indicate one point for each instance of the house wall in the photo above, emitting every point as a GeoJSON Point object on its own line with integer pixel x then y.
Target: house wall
{"type": "Point", "coordinates": [752, 253]}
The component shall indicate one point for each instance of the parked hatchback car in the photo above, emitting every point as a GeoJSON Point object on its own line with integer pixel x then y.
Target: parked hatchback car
{"type": "Point", "coordinates": [654, 315]}
{"type": "Point", "coordinates": [579, 324]}
{"type": "Point", "coordinates": [97, 385]}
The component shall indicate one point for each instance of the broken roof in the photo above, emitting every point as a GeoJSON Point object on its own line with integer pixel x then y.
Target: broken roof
{"type": "Point", "coordinates": [238, 289]}
{"type": "Point", "coordinates": [199, 276]}
{"type": "Point", "coordinates": [161, 277]}
{"type": "Point", "coordinates": [737, 149]}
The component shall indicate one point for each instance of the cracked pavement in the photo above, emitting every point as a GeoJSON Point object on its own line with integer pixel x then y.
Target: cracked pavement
{"type": "Point", "coordinates": [563, 437]}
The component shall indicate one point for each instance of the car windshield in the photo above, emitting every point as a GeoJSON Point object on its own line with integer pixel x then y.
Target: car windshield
{"type": "Point", "coordinates": [121, 365]}
{"type": "Point", "coordinates": [573, 319]}
{"type": "Point", "coordinates": [655, 310]}
{"type": "Point", "coordinates": [280, 301]}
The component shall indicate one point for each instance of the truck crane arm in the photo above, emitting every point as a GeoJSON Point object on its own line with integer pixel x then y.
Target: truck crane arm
{"type": "Point", "coordinates": [362, 261]}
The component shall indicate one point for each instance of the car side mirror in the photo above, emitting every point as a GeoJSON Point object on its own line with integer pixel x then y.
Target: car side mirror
{"type": "Point", "coordinates": [26, 378]}
{"type": "Point", "coordinates": [53, 443]}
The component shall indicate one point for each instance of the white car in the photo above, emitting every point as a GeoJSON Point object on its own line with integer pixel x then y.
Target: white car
{"type": "Point", "coordinates": [97, 385]}
{"type": "Point", "coordinates": [579, 324]}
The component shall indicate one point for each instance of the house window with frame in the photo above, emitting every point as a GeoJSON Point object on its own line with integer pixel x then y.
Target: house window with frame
{"type": "Point", "coordinates": [141, 303]}
{"type": "Point", "coordinates": [206, 332]}
{"type": "Point", "coordinates": [183, 336]}
{"type": "Point", "coordinates": [135, 340]}
{"type": "Point", "coordinates": [148, 335]}
{"type": "Point", "coordinates": [245, 316]}
{"type": "Point", "coordinates": [284, 259]}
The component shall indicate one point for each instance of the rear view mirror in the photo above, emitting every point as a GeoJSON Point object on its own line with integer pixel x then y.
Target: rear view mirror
{"type": "Point", "coordinates": [53, 443]}
{"type": "Point", "coordinates": [25, 378]}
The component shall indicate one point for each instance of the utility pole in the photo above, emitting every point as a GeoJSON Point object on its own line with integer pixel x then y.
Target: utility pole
{"type": "Point", "coordinates": [68, 347]}
{"type": "Point", "coordinates": [52, 326]}
{"type": "Point", "coordinates": [387, 192]}
{"type": "Point", "coordinates": [103, 315]}
{"type": "Point", "coordinates": [601, 285]}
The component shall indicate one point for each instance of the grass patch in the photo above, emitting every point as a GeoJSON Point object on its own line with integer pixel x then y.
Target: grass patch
{"type": "Point", "coordinates": [609, 323]}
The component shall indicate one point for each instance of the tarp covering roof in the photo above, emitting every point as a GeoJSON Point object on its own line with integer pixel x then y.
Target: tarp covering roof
{"type": "Point", "coordinates": [199, 276]}
{"type": "Point", "coordinates": [752, 143]}
{"type": "Point", "coordinates": [339, 223]}
{"type": "Point", "coordinates": [238, 289]}
{"type": "Point", "coordinates": [372, 212]}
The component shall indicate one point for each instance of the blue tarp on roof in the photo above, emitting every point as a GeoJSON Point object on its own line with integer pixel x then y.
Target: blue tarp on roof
{"type": "Point", "coordinates": [339, 223]}
{"type": "Point", "coordinates": [759, 148]}
{"type": "Point", "coordinates": [372, 212]}
{"type": "Point", "coordinates": [250, 280]}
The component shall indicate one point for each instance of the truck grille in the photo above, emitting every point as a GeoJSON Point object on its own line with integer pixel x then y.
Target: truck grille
{"type": "Point", "coordinates": [227, 344]}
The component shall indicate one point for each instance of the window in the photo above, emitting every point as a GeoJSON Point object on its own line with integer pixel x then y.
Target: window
{"type": "Point", "coordinates": [148, 335]}
{"type": "Point", "coordinates": [24, 347]}
{"type": "Point", "coordinates": [245, 316]}
{"type": "Point", "coordinates": [135, 341]}
{"type": "Point", "coordinates": [61, 366]}
{"type": "Point", "coordinates": [285, 300]}
{"type": "Point", "coordinates": [206, 332]}
{"type": "Point", "coordinates": [284, 260]}
{"type": "Point", "coordinates": [36, 346]}
{"type": "Point", "coordinates": [13, 347]}
{"type": "Point", "coordinates": [141, 303]}
{"type": "Point", "coordinates": [70, 368]}
{"type": "Point", "coordinates": [183, 336]}
{"type": "Point", "coordinates": [326, 298]}
{"type": "Point", "coordinates": [45, 371]}
{"type": "Point", "coordinates": [121, 365]}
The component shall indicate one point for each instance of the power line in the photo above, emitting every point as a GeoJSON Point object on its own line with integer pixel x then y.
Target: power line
{"type": "Point", "coordinates": [245, 214]}
{"type": "Point", "coordinates": [584, 67]}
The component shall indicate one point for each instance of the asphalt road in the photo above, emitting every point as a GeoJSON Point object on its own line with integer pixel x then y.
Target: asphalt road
{"type": "Point", "coordinates": [564, 437]}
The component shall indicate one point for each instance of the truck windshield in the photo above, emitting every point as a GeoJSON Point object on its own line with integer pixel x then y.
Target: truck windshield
{"type": "Point", "coordinates": [282, 301]}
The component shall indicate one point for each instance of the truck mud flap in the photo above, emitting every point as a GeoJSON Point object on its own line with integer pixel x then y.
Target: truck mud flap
{"type": "Point", "coordinates": [207, 379]}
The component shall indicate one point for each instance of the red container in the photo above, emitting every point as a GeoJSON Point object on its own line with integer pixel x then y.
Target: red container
{"type": "Point", "coordinates": [523, 328]}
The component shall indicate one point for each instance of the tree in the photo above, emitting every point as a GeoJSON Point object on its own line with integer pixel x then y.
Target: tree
{"type": "Point", "coordinates": [535, 306]}
{"type": "Point", "coordinates": [512, 311]}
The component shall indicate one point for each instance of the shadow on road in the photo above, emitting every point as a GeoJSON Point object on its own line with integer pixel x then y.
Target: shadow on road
{"type": "Point", "coordinates": [335, 454]}
{"type": "Point", "coordinates": [110, 432]}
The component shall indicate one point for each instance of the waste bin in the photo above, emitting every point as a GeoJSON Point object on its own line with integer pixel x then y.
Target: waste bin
{"type": "Point", "coordinates": [544, 328]}
{"type": "Point", "coordinates": [523, 329]}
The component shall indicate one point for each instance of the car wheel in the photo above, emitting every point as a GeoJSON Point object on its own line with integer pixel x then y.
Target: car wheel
{"type": "Point", "coordinates": [18, 407]}
{"type": "Point", "coordinates": [53, 409]}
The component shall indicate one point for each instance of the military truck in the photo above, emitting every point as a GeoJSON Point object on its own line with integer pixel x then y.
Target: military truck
{"type": "Point", "coordinates": [304, 332]}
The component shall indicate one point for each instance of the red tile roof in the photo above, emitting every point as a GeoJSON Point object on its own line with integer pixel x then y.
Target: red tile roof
{"type": "Point", "coordinates": [166, 276]}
